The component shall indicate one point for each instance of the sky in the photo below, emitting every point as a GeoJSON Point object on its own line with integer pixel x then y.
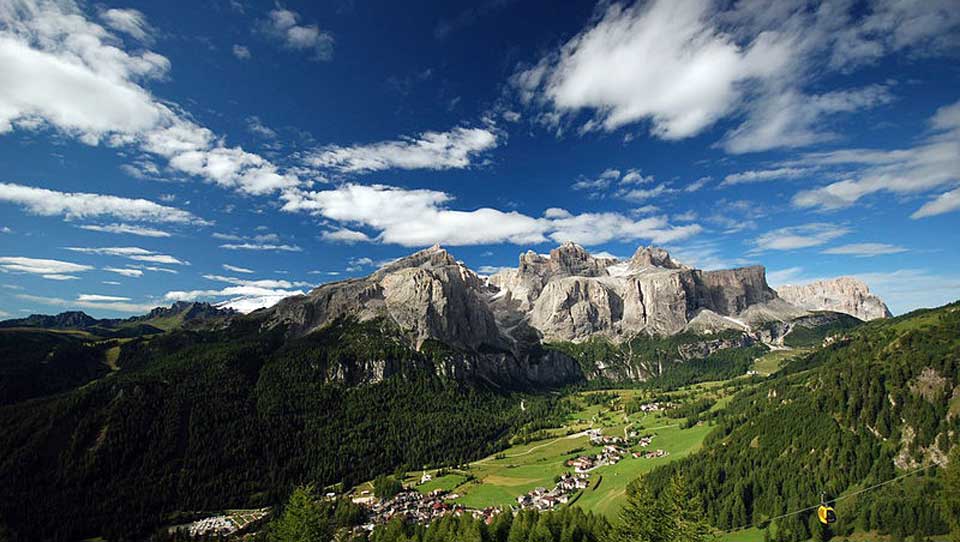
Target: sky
{"type": "Point", "coordinates": [240, 151]}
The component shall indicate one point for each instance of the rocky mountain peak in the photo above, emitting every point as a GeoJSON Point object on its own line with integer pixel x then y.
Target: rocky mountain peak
{"type": "Point", "coordinates": [842, 294]}
{"type": "Point", "coordinates": [572, 259]}
{"type": "Point", "coordinates": [652, 256]}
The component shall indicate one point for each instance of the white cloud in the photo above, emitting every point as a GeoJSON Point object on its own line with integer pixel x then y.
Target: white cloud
{"type": "Point", "coordinates": [242, 298]}
{"type": "Point", "coordinates": [80, 205]}
{"type": "Point", "coordinates": [757, 176]}
{"type": "Point", "coordinates": [284, 26]}
{"type": "Point", "coordinates": [100, 298]}
{"type": "Point", "coordinates": [48, 269]}
{"type": "Point", "coordinates": [422, 217]}
{"type": "Point", "coordinates": [643, 194]}
{"type": "Point", "coordinates": [105, 305]}
{"type": "Point", "coordinates": [803, 236]}
{"type": "Point", "coordinates": [865, 250]}
{"type": "Point", "coordinates": [793, 119]}
{"type": "Point", "coordinates": [236, 269]}
{"type": "Point", "coordinates": [931, 164]}
{"type": "Point", "coordinates": [128, 21]}
{"type": "Point", "coordinates": [947, 202]}
{"type": "Point", "coordinates": [599, 228]}
{"type": "Point", "coordinates": [660, 61]}
{"type": "Point", "coordinates": [133, 253]}
{"type": "Point", "coordinates": [258, 283]}
{"type": "Point", "coordinates": [126, 228]}
{"type": "Point", "coordinates": [241, 52]}
{"type": "Point", "coordinates": [454, 149]}
{"type": "Point", "coordinates": [261, 246]}
{"type": "Point", "coordinates": [125, 271]}
{"type": "Point", "coordinates": [346, 235]}
{"type": "Point", "coordinates": [697, 184]}
{"type": "Point", "coordinates": [64, 71]}
{"type": "Point", "coordinates": [681, 65]}
{"type": "Point", "coordinates": [256, 126]}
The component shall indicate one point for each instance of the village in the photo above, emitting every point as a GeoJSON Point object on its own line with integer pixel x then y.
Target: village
{"type": "Point", "coordinates": [418, 507]}
{"type": "Point", "coordinates": [229, 523]}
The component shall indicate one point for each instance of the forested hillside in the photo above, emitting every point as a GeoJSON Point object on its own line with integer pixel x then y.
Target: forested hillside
{"type": "Point", "coordinates": [881, 401]}
{"type": "Point", "coordinates": [210, 419]}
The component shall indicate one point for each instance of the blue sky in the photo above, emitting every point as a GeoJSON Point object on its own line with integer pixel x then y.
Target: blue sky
{"type": "Point", "coordinates": [160, 151]}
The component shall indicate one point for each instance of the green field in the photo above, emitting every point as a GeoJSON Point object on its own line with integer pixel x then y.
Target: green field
{"type": "Point", "coordinates": [500, 479]}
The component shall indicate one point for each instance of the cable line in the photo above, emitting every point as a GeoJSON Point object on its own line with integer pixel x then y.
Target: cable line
{"type": "Point", "coordinates": [840, 498]}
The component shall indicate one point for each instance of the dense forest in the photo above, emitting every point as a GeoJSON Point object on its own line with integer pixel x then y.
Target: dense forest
{"type": "Point", "coordinates": [843, 418]}
{"type": "Point", "coordinates": [664, 362]}
{"type": "Point", "coordinates": [236, 418]}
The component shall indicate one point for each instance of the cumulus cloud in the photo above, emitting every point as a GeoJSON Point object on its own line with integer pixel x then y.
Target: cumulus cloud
{"type": "Point", "coordinates": [865, 250]}
{"type": "Point", "coordinates": [679, 66]}
{"type": "Point", "coordinates": [660, 61]}
{"type": "Point", "coordinates": [284, 26]}
{"type": "Point", "coordinates": [804, 236]}
{"type": "Point", "coordinates": [423, 217]}
{"type": "Point", "coordinates": [933, 163]}
{"type": "Point", "coordinates": [64, 71]}
{"type": "Point", "coordinates": [345, 235]}
{"type": "Point", "coordinates": [48, 269]}
{"type": "Point", "coordinates": [81, 205]}
{"type": "Point", "coordinates": [454, 149]}
{"type": "Point", "coordinates": [125, 229]}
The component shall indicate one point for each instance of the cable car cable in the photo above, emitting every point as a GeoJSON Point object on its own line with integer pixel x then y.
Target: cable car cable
{"type": "Point", "coordinates": [840, 498]}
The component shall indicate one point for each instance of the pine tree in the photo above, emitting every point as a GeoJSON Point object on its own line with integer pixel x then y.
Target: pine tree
{"type": "Point", "coordinates": [302, 520]}
{"type": "Point", "coordinates": [950, 498]}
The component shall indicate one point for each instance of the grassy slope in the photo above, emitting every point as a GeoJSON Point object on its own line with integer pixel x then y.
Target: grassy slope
{"type": "Point", "coordinates": [502, 478]}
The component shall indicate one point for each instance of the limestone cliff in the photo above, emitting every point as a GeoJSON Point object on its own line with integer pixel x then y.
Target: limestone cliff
{"type": "Point", "coordinates": [844, 294]}
{"type": "Point", "coordinates": [570, 295]}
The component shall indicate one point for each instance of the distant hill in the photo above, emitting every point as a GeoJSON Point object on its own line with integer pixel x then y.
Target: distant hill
{"type": "Point", "coordinates": [156, 321]}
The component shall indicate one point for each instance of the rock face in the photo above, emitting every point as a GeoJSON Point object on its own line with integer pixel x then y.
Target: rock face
{"type": "Point", "coordinates": [844, 294]}
{"type": "Point", "coordinates": [429, 295]}
{"type": "Point", "coordinates": [571, 295]}
{"type": "Point", "coordinates": [497, 325]}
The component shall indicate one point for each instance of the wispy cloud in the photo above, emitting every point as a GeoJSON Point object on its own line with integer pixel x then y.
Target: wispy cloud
{"type": "Point", "coordinates": [133, 253]}
{"type": "Point", "coordinates": [237, 269]}
{"type": "Point", "coordinates": [80, 205]}
{"type": "Point", "coordinates": [48, 269]}
{"type": "Point", "coordinates": [865, 250]}
{"type": "Point", "coordinates": [130, 229]}
{"type": "Point", "coordinates": [454, 149]}
{"type": "Point", "coordinates": [803, 236]}
{"type": "Point", "coordinates": [92, 302]}
{"type": "Point", "coordinates": [284, 26]}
